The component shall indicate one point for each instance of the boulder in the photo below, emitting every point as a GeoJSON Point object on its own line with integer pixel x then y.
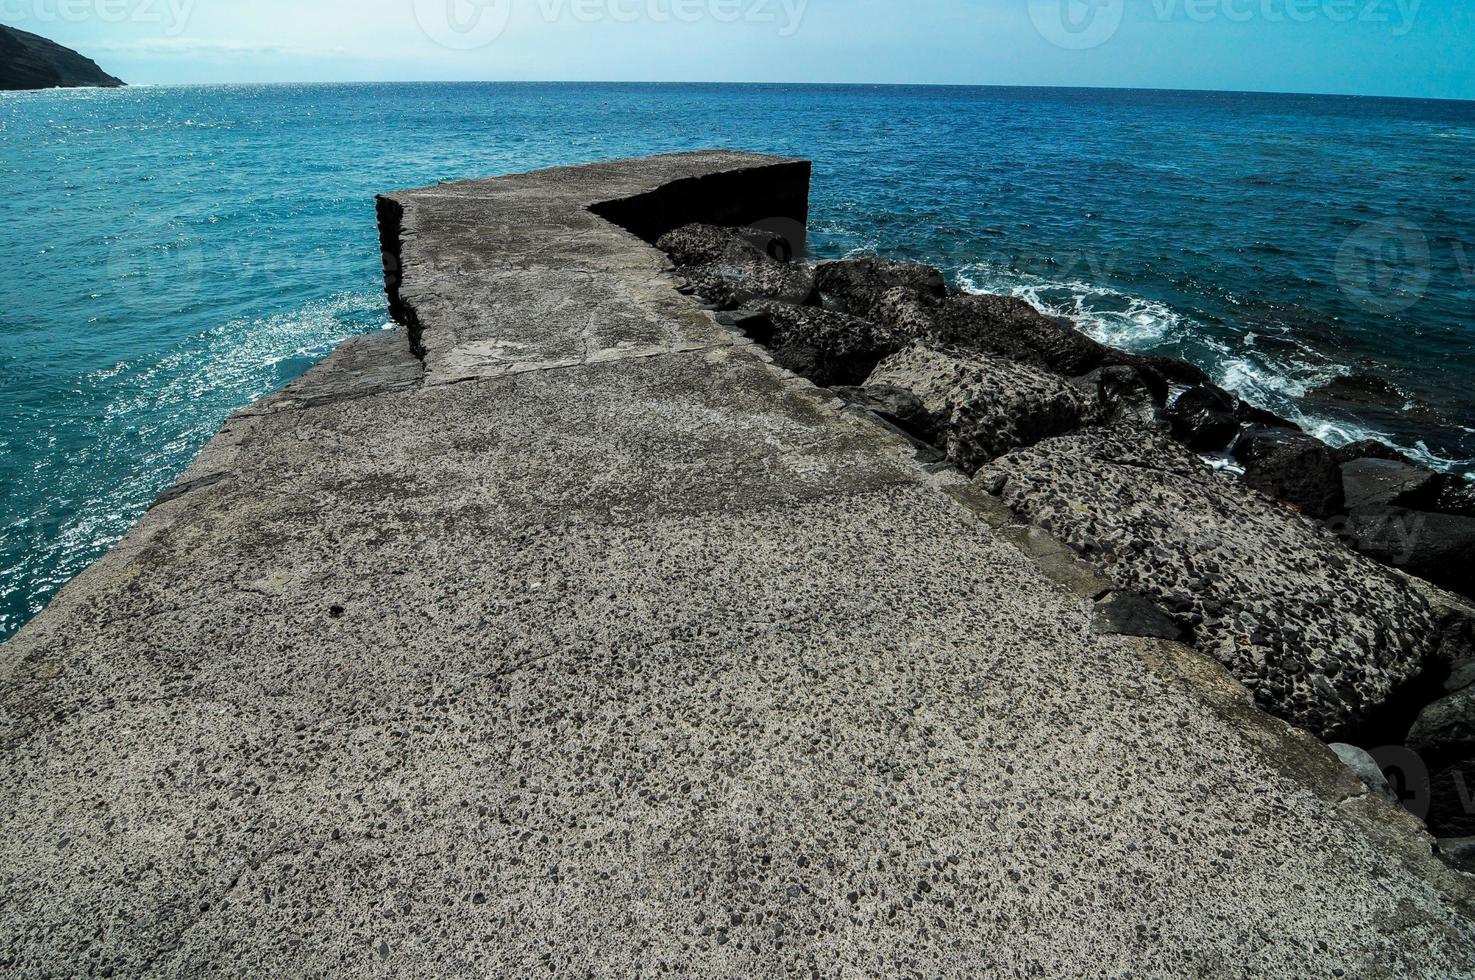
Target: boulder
{"type": "Point", "coordinates": [1460, 851]}
{"type": "Point", "coordinates": [983, 406]}
{"type": "Point", "coordinates": [1323, 637]}
{"type": "Point", "coordinates": [1369, 449]}
{"type": "Point", "coordinates": [730, 285]}
{"type": "Point", "coordinates": [1263, 418]}
{"type": "Point", "coordinates": [1208, 418]}
{"type": "Point", "coordinates": [826, 347]}
{"type": "Point", "coordinates": [1383, 483]}
{"type": "Point", "coordinates": [1452, 494]}
{"type": "Point", "coordinates": [1178, 372]}
{"type": "Point", "coordinates": [1436, 547]}
{"type": "Point", "coordinates": [745, 320]}
{"type": "Point", "coordinates": [1392, 480]}
{"type": "Point", "coordinates": [1292, 467]}
{"type": "Point", "coordinates": [1127, 390]}
{"type": "Point", "coordinates": [699, 244]}
{"type": "Point", "coordinates": [1367, 769]}
{"type": "Point", "coordinates": [1359, 390]}
{"type": "Point", "coordinates": [1131, 613]}
{"type": "Point", "coordinates": [1012, 328]}
{"type": "Point", "coordinates": [1009, 327]}
{"type": "Point", "coordinates": [908, 313]}
{"type": "Point", "coordinates": [729, 266]}
{"type": "Point", "coordinates": [1203, 418]}
{"type": "Point", "coordinates": [897, 405]}
{"type": "Point", "coordinates": [1456, 652]}
{"type": "Point", "coordinates": [1461, 677]}
{"type": "Point", "coordinates": [1452, 800]}
{"type": "Point", "coordinates": [857, 286]}
{"type": "Point", "coordinates": [1445, 730]}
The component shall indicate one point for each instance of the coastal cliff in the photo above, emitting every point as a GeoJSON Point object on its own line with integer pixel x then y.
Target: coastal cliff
{"type": "Point", "coordinates": [29, 61]}
{"type": "Point", "coordinates": [570, 628]}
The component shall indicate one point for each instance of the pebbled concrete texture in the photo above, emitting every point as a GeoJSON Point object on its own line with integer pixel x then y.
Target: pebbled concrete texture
{"type": "Point", "coordinates": [596, 645]}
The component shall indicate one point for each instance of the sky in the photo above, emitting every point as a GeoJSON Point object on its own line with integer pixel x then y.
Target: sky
{"type": "Point", "coordinates": [1418, 48]}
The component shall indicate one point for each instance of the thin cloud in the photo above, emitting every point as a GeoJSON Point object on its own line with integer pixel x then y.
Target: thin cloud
{"type": "Point", "coordinates": [185, 47]}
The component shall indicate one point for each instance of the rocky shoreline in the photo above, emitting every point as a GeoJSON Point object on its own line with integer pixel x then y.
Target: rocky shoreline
{"type": "Point", "coordinates": [1334, 583]}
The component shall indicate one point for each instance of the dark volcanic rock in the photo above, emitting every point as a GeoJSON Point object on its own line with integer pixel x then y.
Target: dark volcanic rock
{"type": "Point", "coordinates": [28, 61]}
{"type": "Point", "coordinates": [1384, 483]}
{"type": "Point", "coordinates": [1208, 418]}
{"type": "Point", "coordinates": [729, 266]}
{"type": "Point", "coordinates": [729, 285]}
{"type": "Point", "coordinates": [1359, 389]}
{"type": "Point", "coordinates": [826, 347]}
{"type": "Point", "coordinates": [1436, 547]}
{"type": "Point", "coordinates": [745, 320]}
{"type": "Point", "coordinates": [1369, 449]}
{"type": "Point", "coordinates": [1460, 851]}
{"type": "Point", "coordinates": [857, 286]}
{"type": "Point", "coordinates": [1265, 419]}
{"type": "Point", "coordinates": [1445, 729]}
{"type": "Point", "coordinates": [1323, 637]}
{"type": "Point", "coordinates": [1456, 639]}
{"type": "Point", "coordinates": [1135, 614]}
{"type": "Point", "coordinates": [1461, 677]}
{"type": "Point", "coordinates": [983, 406]}
{"type": "Point", "coordinates": [1128, 392]}
{"type": "Point", "coordinates": [1452, 795]}
{"type": "Point", "coordinates": [1176, 371]}
{"type": "Point", "coordinates": [1292, 467]}
{"type": "Point", "coordinates": [699, 244]}
{"type": "Point", "coordinates": [1452, 495]}
{"type": "Point", "coordinates": [897, 405]}
{"type": "Point", "coordinates": [1012, 328]}
{"type": "Point", "coordinates": [1367, 769]}
{"type": "Point", "coordinates": [1204, 418]}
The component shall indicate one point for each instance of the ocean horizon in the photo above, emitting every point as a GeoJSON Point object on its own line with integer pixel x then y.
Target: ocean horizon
{"type": "Point", "coordinates": [179, 251]}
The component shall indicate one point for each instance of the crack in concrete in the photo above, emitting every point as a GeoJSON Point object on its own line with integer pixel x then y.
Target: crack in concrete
{"type": "Point", "coordinates": [570, 364]}
{"type": "Point", "coordinates": [189, 486]}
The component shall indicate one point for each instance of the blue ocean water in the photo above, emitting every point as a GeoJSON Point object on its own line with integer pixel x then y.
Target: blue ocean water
{"type": "Point", "coordinates": [171, 254]}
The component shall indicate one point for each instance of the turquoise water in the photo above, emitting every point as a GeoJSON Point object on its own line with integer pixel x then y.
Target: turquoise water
{"type": "Point", "coordinates": [174, 253]}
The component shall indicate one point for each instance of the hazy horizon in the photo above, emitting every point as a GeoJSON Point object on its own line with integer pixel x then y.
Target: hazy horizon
{"type": "Point", "coordinates": [1388, 48]}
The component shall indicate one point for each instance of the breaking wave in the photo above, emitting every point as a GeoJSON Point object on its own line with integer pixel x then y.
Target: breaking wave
{"type": "Point", "coordinates": [1238, 364]}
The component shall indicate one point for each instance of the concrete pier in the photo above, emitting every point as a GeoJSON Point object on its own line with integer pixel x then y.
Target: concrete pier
{"type": "Point", "coordinates": [559, 633]}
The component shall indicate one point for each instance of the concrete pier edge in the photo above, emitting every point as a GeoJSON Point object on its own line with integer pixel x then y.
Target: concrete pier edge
{"type": "Point", "coordinates": [240, 723]}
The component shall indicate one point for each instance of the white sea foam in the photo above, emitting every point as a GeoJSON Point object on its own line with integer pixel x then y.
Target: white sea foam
{"type": "Point", "coordinates": [1111, 317]}
{"type": "Point", "coordinates": [1133, 323]}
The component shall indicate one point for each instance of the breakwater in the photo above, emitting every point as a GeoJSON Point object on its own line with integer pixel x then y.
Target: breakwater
{"type": "Point", "coordinates": [563, 627]}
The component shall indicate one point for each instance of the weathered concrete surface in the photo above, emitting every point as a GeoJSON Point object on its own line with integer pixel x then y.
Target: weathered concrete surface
{"type": "Point", "coordinates": [597, 646]}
